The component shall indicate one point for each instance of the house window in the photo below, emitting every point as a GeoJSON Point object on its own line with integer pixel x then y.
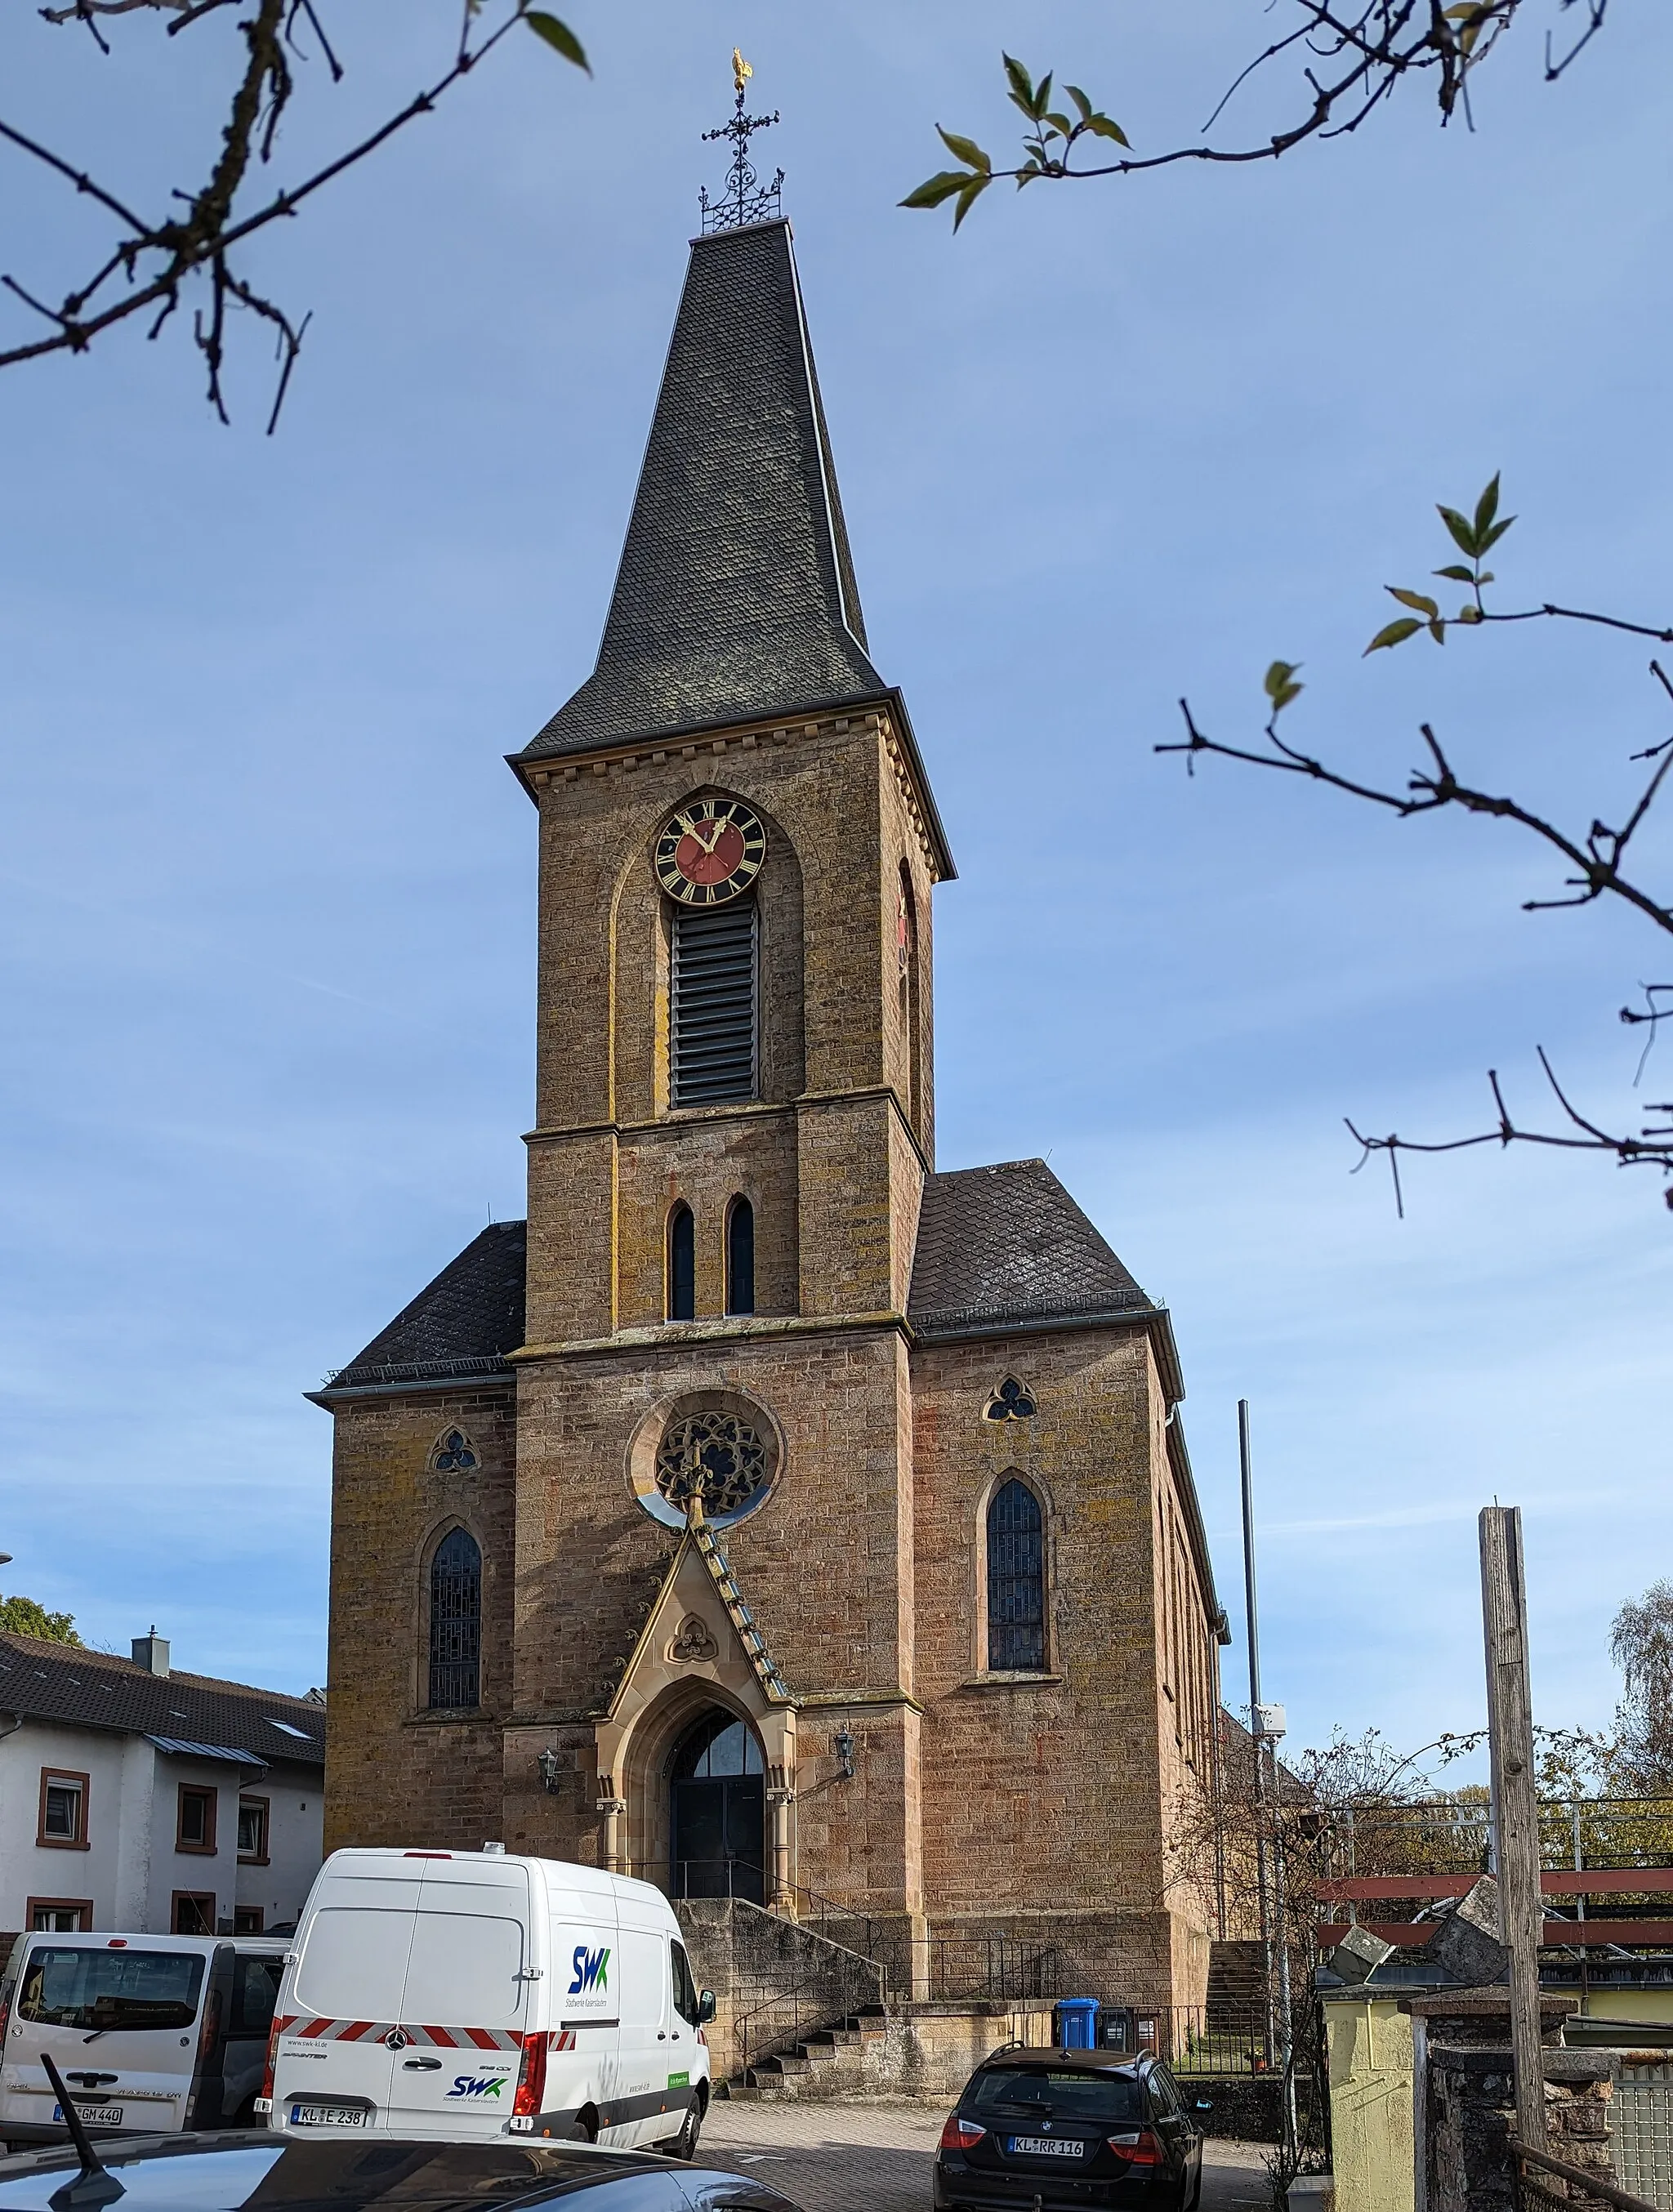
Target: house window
{"type": "Point", "coordinates": [253, 1831]}
{"type": "Point", "coordinates": [682, 1265]}
{"type": "Point", "coordinates": [192, 1912]}
{"type": "Point", "coordinates": [740, 1257]}
{"type": "Point", "coordinates": [456, 1623]}
{"type": "Point", "coordinates": [247, 1919]}
{"type": "Point", "coordinates": [194, 1822]}
{"type": "Point", "coordinates": [712, 1052]}
{"type": "Point", "coordinates": [62, 1810]}
{"type": "Point", "coordinates": [58, 1915]}
{"type": "Point", "coordinates": [1016, 1581]}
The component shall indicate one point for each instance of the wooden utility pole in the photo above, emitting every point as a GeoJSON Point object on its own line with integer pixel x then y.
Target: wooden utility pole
{"type": "Point", "coordinates": [1514, 1805]}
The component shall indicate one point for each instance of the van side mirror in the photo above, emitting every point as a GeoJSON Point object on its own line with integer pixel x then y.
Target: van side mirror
{"type": "Point", "coordinates": [705, 2007]}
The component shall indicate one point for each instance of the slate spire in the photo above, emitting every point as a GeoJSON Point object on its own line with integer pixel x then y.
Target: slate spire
{"type": "Point", "coordinates": [735, 596]}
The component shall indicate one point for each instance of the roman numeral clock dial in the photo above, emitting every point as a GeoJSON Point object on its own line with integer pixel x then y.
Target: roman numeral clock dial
{"type": "Point", "coordinates": [710, 851]}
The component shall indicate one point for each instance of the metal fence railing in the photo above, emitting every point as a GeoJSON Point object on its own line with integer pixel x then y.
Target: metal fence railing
{"type": "Point", "coordinates": [970, 1965]}
{"type": "Point", "coordinates": [1197, 2044]}
{"type": "Point", "coordinates": [1542, 2180]}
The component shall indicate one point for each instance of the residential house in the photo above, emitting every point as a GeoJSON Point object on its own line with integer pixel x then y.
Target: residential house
{"type": "Point", "coordinates": [133, 1797]}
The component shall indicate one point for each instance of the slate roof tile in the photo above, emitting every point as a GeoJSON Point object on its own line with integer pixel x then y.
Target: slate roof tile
{"type": "Point", "coordinates": [1007, 1243]}
{"type": "Point", "coordinates": [735, 598]}
{"type": "Point", "coordinates": [464, 1322]}
{"type": "Point", "coordinates": [43, 1680]}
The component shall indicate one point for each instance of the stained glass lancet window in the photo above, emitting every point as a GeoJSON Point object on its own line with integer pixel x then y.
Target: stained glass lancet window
{"type": "Point", "coordinates": [456, 1623]}
{"type": "Point", "coordinates": [1016, 1581]}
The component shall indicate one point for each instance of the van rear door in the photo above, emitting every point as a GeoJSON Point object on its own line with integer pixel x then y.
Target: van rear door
{"type": "Point", "coordinates": [465, 2006]}
{"type": "Point", "coordinates": [120, 2016]}
{"type": "Point", "coordinates": [343, 2014]}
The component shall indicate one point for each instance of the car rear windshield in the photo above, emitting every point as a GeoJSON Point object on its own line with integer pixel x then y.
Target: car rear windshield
{"type": "Point", "coordinates": [66, 1986]}
{"type": "Point", "coordinates": [1015, 2092]}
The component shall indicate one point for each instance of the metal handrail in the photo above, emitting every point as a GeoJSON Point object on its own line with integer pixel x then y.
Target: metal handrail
{"type": "Point", "coordinates": [1575, 2176]}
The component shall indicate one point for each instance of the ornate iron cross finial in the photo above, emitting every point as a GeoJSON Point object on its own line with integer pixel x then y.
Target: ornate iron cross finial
{"type": "Point", "coordinates": [746, 199]}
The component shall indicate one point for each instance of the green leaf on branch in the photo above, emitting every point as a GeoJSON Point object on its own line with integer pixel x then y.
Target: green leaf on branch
{"type": "Point", "coordinates": [974, 188]}
{"type": "Point", "coordinates": [1281, 686]}
{"type": "Point", "coordinates": [1396, 633]}
{"type": "Point", "coordinates": [1082, 102]}
{"type": "Point", "coordinates": [1022, 85]}
{"type": "Point", "coordinates": [1491, 538]}
{"type": "Point", "coordinates": [966, 150]}
{"type": "Point", "coordinates": [1420, 600]}
{"type": "Point", "coordinates": [935, 189]}
{"type": "Point", "coordinates": [1456, 574]}
{"type": "Point", "coordinates": [1102, 128]}
{"type": "Point", "coordinates": [1486, 507]}
{"type": "Point", "coordinates": [559, 37]}
{"type": "Point", "coordinates": [1462, 532]}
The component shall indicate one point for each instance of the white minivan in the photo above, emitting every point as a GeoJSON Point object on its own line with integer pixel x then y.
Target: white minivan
{"type": "Point", "coordinates": [474, 1994]}
{"type": "Point", "coordinates": [150, 2033]}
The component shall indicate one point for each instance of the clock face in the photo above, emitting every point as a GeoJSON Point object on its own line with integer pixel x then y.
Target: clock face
{"type": "Point", "coordinates": [710, 852]}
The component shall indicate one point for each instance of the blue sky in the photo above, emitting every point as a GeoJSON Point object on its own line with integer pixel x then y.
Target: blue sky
{"type": "Point", "coordinates": [267, 964]}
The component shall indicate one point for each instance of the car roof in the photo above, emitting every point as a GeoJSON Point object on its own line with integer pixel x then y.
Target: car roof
{"type": "Point", "coordinates": [220, 2173]}
{"type": "Point", "coordinates": [1063, 2061]}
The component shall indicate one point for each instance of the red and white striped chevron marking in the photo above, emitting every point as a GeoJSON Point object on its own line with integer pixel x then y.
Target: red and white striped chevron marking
{"type": "Point", "coordinates": [438, 2039]}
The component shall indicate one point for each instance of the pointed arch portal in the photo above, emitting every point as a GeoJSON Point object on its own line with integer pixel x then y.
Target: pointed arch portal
{"type": "Point", "coordinates": [717, 1792]}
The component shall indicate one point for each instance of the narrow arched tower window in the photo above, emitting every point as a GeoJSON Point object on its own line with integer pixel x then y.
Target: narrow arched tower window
{"type": "Point", "coordinates": [456, 1623]}
{"type": "Point", "coordinates": [1016, 1581]}
{"type": "Point", "coordinates": [714, 1057]}
{"type": "Point", "coordinates": [906, 935]}
{"type": "Point", "coordinates": [682, 1265]}
{"type": "Point", "coordinates": [740, 1258]}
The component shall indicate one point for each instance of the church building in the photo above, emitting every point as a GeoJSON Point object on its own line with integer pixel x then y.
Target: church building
{"type": "Point", "coordinates": [772, 1515]}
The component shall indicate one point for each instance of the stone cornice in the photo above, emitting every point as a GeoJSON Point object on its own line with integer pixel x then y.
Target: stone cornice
{"type": "Point", "coordinates": [885, 718]}
{"type": "Point", "coordinates": [682, 1335]}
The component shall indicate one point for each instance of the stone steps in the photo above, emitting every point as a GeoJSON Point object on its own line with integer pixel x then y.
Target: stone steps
{"type": "Point", "coordinates": [828, 2061]}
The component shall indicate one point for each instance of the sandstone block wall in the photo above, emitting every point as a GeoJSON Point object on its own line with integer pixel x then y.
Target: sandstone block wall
{"type": "Point", "coordinates": [393, 1773]}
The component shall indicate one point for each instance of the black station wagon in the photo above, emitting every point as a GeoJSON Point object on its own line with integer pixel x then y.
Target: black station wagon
{"type": "Point", "coordinates": [1068, 2130]}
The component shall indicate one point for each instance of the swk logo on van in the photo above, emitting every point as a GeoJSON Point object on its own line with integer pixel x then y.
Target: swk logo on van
{"type": "Point", "coordinates": [476, 2084]}
{"type": "Point", "coordinates": [591, 1972]}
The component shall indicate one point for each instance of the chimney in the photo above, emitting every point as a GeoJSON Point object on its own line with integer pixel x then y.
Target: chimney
{"type": "Point", "coordinates": [151, 1652]}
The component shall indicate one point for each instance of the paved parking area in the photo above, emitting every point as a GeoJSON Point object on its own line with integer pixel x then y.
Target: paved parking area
{"type": "Point", "coordinates": [877, 2158]}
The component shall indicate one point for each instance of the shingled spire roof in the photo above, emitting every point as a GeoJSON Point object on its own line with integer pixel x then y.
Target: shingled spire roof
{"type": "Point", "coordinates": [735, 596]}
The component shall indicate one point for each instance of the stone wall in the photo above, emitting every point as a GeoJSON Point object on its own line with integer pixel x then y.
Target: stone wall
{"type": "Point", "coordinates": [771, 1979]}
{"type": "Point", "coordinates": [394, 1773]}
{"type": "Point", "coordinates": [1470, 2099]}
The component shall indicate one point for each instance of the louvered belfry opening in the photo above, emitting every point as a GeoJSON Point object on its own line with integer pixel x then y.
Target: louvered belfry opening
{"type": "Point", "coordinates": [713, 1050]}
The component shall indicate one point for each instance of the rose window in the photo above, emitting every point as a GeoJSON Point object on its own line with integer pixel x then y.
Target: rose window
{"type": "Point", "coordinates": [712, 1455]}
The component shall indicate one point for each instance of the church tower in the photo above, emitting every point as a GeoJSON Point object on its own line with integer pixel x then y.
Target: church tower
{"type": "Point", "coordinates": [772, 1516]}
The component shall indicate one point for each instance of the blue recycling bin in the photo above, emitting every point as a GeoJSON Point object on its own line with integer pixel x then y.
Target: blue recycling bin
{"type": "Point", "coordinates": [1074, 2023]}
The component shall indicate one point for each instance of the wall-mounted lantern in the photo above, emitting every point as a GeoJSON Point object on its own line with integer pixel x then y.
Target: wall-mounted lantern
{"type": "Point", "coordinates": [843, 1744]}
{"type": "Point", "coordinates": [551, 1769]}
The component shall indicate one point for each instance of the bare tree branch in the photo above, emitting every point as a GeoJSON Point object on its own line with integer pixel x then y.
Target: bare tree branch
{"type": "Point", "coordinates": [153, 260]}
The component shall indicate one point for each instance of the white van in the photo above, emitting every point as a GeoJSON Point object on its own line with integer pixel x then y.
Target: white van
{"type": "Point", "coordinates": [152, 2033]}
{"type": "Point", "coordinates": [474, 1994]}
